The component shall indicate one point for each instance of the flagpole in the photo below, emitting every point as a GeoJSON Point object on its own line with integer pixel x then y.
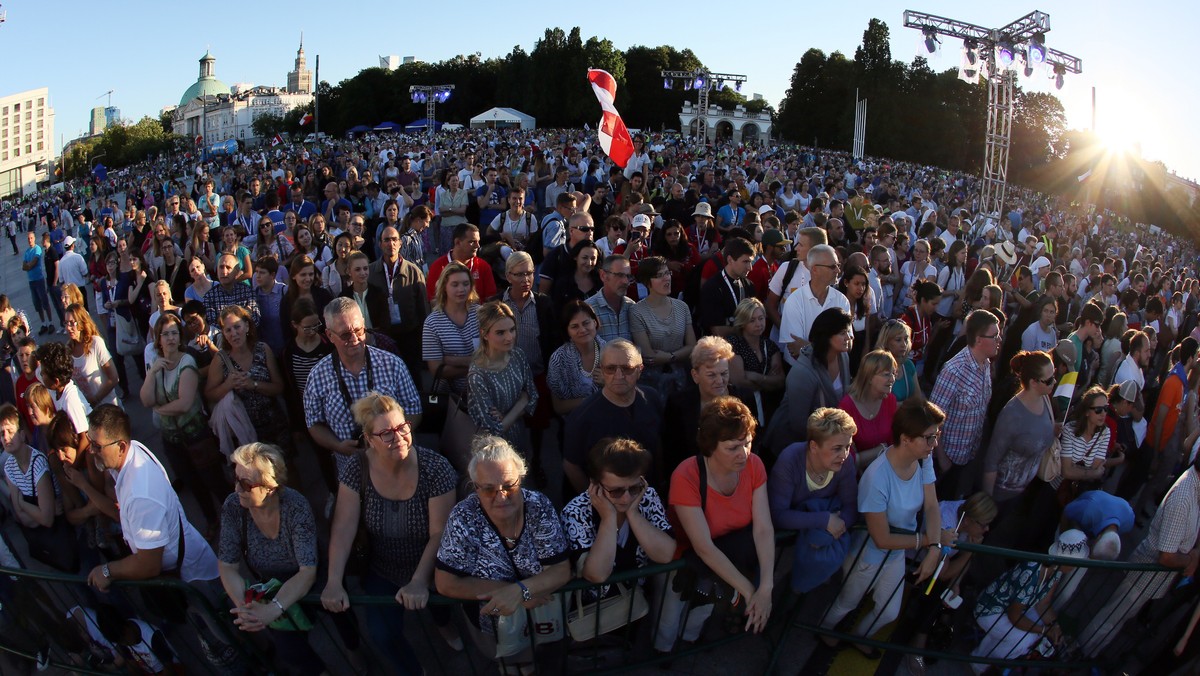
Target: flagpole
{"type": "Point", "coordinates": [317, 98]}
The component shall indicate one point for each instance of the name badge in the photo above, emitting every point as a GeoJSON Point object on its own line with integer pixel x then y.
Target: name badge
{"type": "Point", "coordinates": [395, 312]}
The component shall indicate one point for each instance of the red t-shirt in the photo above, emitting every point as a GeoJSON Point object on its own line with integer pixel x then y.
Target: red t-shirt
{"type": "Point", "coordinates": [22, 386]}
{"type": "Point", "coordinates": [760, 276]}
{"type": "Point", "coordinates": [872, 432]}
{"type": "Point", "coordinates": [724, 514]}
{"type": "Point", "coordinates": [481, 272]}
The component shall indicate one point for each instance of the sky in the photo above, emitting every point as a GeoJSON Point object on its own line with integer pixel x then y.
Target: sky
{"type": "Point", "coordinates": [147, 53]}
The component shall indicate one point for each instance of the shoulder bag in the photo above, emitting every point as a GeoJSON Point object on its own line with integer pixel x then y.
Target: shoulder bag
{"type": "Point", "coordinates": [586, 621]}
{"type": "Point", "coordinates": [1050, 467]}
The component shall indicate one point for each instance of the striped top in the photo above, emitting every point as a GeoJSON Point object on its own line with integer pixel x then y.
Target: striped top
{"type": "Point", "coordinates": [666, 335]}
{"type": "Point", "coordinates": [441, 338]}
{"type": "Point", "coordinates": [26, 481]}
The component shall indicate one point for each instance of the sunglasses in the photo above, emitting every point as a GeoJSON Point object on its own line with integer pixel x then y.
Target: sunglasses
{"type": "Point", "coordinates": [618, 493]}
{"type": "Point", "coordinates": [613, 369]}
{"type": "Point", "coordinates": [1098, 409]}
{"type": "Point", "coordinates": [1048, 382]}
{"type": "Point", "coordinates": [244, 486]}
{"type": "Point", "coordinates": [586, 228]}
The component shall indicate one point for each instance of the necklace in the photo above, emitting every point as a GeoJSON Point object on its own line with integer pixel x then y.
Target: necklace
{"type": "Point", "coordinates": [509, 542]}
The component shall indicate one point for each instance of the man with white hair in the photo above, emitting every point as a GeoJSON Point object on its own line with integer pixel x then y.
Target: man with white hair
{"type": "Point", "coordinates": [810, 300]}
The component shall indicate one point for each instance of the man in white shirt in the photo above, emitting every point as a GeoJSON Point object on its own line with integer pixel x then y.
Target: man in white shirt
{"type": "Point", "coordinates": [810, 300]}
{"type": "Point", "coordinates": [73, 269]}
{"type": "Point", "coordinates": [1133, 363]}
{"type": "Point", "coordinates": [792, 275]}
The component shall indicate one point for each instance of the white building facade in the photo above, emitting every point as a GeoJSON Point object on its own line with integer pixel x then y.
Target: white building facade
{"type": "Point", "coordinates": [211, 112]}
{"type": "Point", "coordinates": [26, 140]}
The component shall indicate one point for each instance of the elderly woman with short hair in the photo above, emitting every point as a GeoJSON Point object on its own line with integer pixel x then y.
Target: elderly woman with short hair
{"type": "Point", "coordinates": [710, 379]}
{"type": "Point", "coordinates": [268, 530]}
{"type": "Point", "coordinates": [503, 546]}
{"type": "Point", "coordinates": [400, 494]}
{"type": "Point", "coordinates": [814, 490]}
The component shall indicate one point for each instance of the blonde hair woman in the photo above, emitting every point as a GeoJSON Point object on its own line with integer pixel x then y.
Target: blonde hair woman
{"type": "Point", "coordinates": [500, 380]}
{"type": "Point", "coordinates": [896, 338]}
{"type": "Point", "coordinates": [451, 331]}
{"type": "Point", "coordinates": [872, 405]}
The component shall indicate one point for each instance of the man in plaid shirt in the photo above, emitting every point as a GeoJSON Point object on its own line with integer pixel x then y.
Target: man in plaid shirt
{"type": "Point", "coordinates": [962, 391]}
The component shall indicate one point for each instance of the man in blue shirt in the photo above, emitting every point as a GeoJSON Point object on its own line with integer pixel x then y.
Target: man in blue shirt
{"type": "Point", "coordinates": [31, 263]}
{"type": "Point", "coordinates": [298, 204]}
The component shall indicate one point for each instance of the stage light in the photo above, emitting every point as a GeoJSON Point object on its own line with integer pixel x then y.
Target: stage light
{"type": "Point", "coordinates": [1059, 72]}
{"type": "Point", "coordinates": [970, 48]}
{"type": "Point", "coordinates": [666, 83]}
{"type": "Point", "coordinates": [1037, 48]}
{"type": "Point", "coordinates": [931, 39]}
{"type": "Point", "coordinates": [738, 86]}
{"type": "Point", "coordinates": [1005, 54]}
{"type": "Point", "coordinates": [699, 84]}
{"type": "Point", "coordinates": [687, 85]}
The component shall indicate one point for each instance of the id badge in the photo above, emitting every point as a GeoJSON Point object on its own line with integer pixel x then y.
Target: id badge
{"type": "Point", "coordinates": [394, 309]}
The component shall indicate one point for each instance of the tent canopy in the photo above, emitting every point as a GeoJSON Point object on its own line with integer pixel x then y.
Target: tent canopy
{"type": "Point", "coordinates": [359, 129]}
{"type": "Point", "coordinates": [388, 126]}
{"type": "Point", "coordinates": [422, 123]}
{"type": "Point", "coordinates": [503, 117]}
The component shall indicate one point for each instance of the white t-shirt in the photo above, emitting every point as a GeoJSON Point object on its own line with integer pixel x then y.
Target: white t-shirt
{"type": "Point", "coordinates": [1035, 339]}
{"type": "Point", "coordinates": [798, 313]}
{"type": "Point", "coordinates": [88, 368]}
{"type": "Point", "coordinates": [73, 403]}
{"type": "Point", "coordinates": [151, 516]}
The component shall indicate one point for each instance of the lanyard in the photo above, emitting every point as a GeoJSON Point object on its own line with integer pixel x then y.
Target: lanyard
{"type": "Point", "coordinates": [390, 274]}
{"type": "Point", "coordinates": [733, 291]}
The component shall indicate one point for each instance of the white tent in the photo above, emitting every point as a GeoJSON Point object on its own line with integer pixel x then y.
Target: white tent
{"type": "Point", "coordinates": [503, 118]}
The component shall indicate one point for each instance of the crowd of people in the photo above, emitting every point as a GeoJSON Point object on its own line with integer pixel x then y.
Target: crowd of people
{"type": "Point", "coordinates": [729, 341]}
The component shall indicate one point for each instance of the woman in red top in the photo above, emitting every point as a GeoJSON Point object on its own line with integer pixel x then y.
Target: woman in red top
{"type": "Point", "coordinates": [27, 376]}
{"type": "Point", "coordinates": [872, 405]}
{"type": "Point", "coordinates": [919, 317]}
{"type": "Point", "coordinates": [729, 524]}
{"type": "Point", "coordinates": [681, 255]}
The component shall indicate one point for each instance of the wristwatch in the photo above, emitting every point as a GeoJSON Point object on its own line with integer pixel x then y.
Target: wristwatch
{"type": "Point", "coordinates": [525, 593]}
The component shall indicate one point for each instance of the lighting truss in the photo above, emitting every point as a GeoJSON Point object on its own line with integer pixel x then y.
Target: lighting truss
{"type": "Point", "coordinates": [703, 81]}
{"type": "Point", "coordinates": [1000, 50]}
{"type": "Point", "coordinates": [431, 96]}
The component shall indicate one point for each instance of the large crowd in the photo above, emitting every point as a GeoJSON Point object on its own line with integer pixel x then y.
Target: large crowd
{"type": "Point", "coordinates": [728, 341]}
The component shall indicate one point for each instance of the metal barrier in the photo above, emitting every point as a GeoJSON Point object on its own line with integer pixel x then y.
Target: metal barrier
{"type": "Point", "coordinates": [52, 618]}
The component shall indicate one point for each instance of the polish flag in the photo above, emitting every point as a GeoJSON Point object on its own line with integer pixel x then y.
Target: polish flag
{"type": "Point", "coordinates": [276, 141]}
{"type": "Point", "coordinates": [306, 119]}
{"type": "Point", "coordinates": [614, 137]}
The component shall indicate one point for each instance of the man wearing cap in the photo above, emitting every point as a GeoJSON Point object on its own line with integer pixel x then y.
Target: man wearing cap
{"type": "Point", "coordinates": [962, 390]}
{"type": "Point", "coordinates": [73, 269]}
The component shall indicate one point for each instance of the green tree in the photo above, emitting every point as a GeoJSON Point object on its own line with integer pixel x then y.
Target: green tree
{"type": "Point", "coordinates": [267, 125]}
{"type": "Point", "coordinates": [1037, 134]}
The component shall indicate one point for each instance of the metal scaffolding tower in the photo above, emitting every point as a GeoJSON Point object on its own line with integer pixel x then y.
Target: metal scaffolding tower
{"type": "Point", "coordinates": [995, 53]}
{"type": "Point", "coordinates": [703, 81]}
{"type": "Point", "coordinates": [430, 95]}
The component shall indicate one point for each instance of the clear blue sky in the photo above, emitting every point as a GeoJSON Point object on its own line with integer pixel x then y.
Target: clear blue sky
{"type": "Point", "coordinates": [147, 52]}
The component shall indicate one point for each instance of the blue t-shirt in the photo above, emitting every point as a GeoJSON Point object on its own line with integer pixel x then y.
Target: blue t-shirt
{"type": "Point", "coordinates": [38, 271]}
{"type": "Point", "coordinates": [495, 205]}
{"type": "Point", "coordinates": [881, 490]}
{"type": "Point", "coordinates": [729, 218]}
{"type": "Point", "coordinates": [57, 236]}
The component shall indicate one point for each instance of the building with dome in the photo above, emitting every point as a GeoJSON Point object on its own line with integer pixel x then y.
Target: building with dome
{"type": "Point", "coordinates": [212, 112]}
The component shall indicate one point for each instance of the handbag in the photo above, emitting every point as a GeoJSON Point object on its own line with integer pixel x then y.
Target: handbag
{"type": "Point", "coordinates": [292, 619]}
{"type": "Point", "coordinates": [434, 404]}
{"type": "Point", "coordinates": [513, 633]}
{"type": "Point", "coordinates": [1050, 466]}
{"type": "Point", "coordinates": [457, 432]}
{"type": "Point", "coordinates": [129, 339]}
{"type": "Point", "coordinates": [586, 621]}
{"type": "Point", "coordinates": [696, 581]}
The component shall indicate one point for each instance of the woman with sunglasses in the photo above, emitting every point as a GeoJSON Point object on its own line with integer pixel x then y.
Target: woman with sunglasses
{"type": "Point", "coordinates": [503, 548]}
{"type": "Point", "coordinates": [615, 229]}
{"type": "Point", "coordinates": [1024, 430]}
{"type": "Point", "coordinates": [401, 495]}
{"type": "Point", "coordinates": [619, 523]}
{"type": "Point", "coordinates": [268, 530]}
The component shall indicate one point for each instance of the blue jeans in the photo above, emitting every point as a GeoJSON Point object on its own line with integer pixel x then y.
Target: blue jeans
{"type": "Point", "coordinates": [41, 299]}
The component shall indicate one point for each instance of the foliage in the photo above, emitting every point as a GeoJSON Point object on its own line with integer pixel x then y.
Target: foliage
{"type": "Point", "coordinates": [120, 145]}
{"type": "Point", "coordinates": [267, 125]}
{"type": "Point", "coordinates": [913, 113]}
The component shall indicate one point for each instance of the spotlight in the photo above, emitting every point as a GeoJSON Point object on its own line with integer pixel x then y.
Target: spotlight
{"type": "Point", "coordinates": [738, 86]}
{"type": "Point", "coordinates": [1005, 54]}
{"type": "Point", "coordinates": [1022, 56]}
{"type": "Point", "coordinates": [931, 39]}
{"type": "Point", "coordinates": [699, 84]}
{"type": "Point", "coordinates": [666, 83]}
{"type": "Point", "coordinates": [1059, 72]}
{"type": "Point", "coordinates": [1037, 48]}
{"type": "Point", "coordinates": [687, 85]}
{"type": "Point", "coordinates": [970, 47]}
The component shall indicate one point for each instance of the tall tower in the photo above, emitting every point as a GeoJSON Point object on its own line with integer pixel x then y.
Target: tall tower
{"type": "Point", "coordinates": [299, 81]}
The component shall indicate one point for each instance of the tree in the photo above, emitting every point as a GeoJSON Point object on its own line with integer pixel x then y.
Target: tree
{"type": "Point", "coordinates": [1037, 134]}
{"type": "Point", "coordinates": [267, 125]}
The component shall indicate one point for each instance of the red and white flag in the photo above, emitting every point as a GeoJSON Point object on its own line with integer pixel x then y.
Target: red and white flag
{"type": "Point", "coordinates": [306, 119]}
{"type": "Point", "coordinates": [276, 141]}
{"type": "Point", "coordinates": [614, 137]}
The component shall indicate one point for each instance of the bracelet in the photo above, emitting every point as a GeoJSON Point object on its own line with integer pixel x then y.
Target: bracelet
{"type": "Point", "coordinates": [918, 534]}
{"type": "Point", "coordinates": [282, 610]}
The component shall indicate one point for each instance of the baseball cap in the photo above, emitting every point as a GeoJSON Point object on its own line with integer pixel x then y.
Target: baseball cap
{"type": "Point", "coordinates": [766, 209]}
{"type": "Point", "coordinates": [772, 237]}
{"type": "Point", "coordinates": [641, 221]}
{"type": "Point", "coordinates": [1066, 351]}
{"type": "Point", "coordinates": [1127, 390]}
{"type": "Point", "coordinates": [69, 241]}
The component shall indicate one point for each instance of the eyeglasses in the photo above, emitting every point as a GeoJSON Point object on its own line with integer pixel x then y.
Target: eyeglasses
{"type": "Point", "coordinates": [169, 333]}
{"type": "Point", "coordinates": [1048, 382]}
{"type": "Point", "coordinates": [622, 275]}
{"type": "Point", "coordinates": [932, 439]}
{"type": "Point", "coordinates": [584, 228]}
{"type": "Point", "coordinates": [835, 266]}
{"type": "Point", "coordinates": [70, 322]}
{"type": "Point", "coordinates": [244, 486]}
{"type": "Point", "coordinates": [94, 445]}
{"type": "Point", "coordinates": [523, 275]}
{"type": "Point", "coordinates": [993, 336]}
{"type": "Point", "coordinates": [613, 369]}
{"type": "Point", "coordinates": [618, 228]}
{"type": "Point", "coordinates": [618, 493]}
{"type": "Point", "coordinates": [1098, 409]}
{"type": "Point", "coordinates": [359, 333]}
{"type": "Point", "coordinates": [491, 491]}
{"type": "Point", "coordinates": [389, 435]}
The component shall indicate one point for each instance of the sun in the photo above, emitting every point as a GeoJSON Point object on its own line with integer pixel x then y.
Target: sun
{"type": "Point", "coordinates": [1117, 141]}
{"type": "Point", "coordinates": [1116, 131]}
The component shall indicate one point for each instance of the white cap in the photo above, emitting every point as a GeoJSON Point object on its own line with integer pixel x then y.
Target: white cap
{"type": "Point", "coordinates": [641, 221]}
